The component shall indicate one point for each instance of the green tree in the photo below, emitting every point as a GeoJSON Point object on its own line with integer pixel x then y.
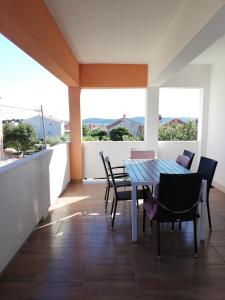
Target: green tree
{"type": "Point", "coordinates": [117, 134]}
{"type": "Point", "coordinates": [21, 137]}
{"type": "Point", "coordinates": [178, 132]}
{"type": "Point", "coordinates": [100, 134]}
{"type": "Point", "coordinates": [86, 130]}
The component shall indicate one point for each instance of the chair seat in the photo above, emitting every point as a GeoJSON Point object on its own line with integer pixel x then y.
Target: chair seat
{"type": "Point", "coordinates": [126, 195]}
{"type": "Point", "coordinates": [150, 208]}
{"type": "Point", "coordinates": [150, 204]}
{"type": "Point", "coordinates": [121, 183]}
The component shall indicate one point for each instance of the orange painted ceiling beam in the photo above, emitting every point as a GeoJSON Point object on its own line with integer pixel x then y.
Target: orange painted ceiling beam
{"type": "Point", "coordinates": [113, 75]}
{"type": "Point", "coordinates": [29, 25]}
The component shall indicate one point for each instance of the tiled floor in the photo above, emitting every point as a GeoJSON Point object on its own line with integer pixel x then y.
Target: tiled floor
{"type": "Point", "coordinates": [74, 255]}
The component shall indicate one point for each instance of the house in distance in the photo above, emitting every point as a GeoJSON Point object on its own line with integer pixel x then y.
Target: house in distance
{"type": "Point", "coordinates": [135, 128]}
{"type": "Point", "coordinates": [53, 126]}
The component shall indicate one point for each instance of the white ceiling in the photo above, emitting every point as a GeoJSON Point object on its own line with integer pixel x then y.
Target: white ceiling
{"type": "Point", "coordinates": [214, 54]}
{"type": "Point", "coordinates": [113, 31]}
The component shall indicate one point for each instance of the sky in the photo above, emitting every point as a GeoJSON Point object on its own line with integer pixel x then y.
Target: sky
{"type": "Point", "coordinates": [112, 104]}
{"type": "Point", "coordinates": [179, 102]}
{"type": "Point", "coordinates": [25, 83]}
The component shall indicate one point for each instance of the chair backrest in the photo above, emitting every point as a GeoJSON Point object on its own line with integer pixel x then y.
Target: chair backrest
{"type": "Point", "coordinates": [178, 196]}
{"type": "Point", "coordinates": [104, 165]}
{"type": "Point", "coordinates": [191, 156]}
{"type": "Point", "coordinates": [207, 167]}
{"type": "Point", "coordinates": [142, 154]}
{"type": "Point", "coordinates": [183, 160]}
{"type": "Point", "coordinates": [109, 167]}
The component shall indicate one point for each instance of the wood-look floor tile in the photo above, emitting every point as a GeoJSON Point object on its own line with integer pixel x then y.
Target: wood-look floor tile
{"type": "Point", "coordinates": [74, 254]}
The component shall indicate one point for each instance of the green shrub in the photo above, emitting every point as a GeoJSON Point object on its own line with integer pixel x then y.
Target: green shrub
{"type": "Point", "coordinates": [53, 140]}
{"type": "Point", "coordinates": [178, 132]}
{"type": "Point", "coordinates": [21, 137]}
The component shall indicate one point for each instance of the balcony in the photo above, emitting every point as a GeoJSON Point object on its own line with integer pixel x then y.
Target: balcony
{"type": "Point", "coordinates": [72, 253]}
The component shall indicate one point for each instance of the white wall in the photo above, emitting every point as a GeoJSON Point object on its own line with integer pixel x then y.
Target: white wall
{"type": "Point", "coordinates": [28, 187]}
{"type": "Point", "coordinates": [216, 123]}
{"type": "Point", "coordinates": [59, 170]}
{"type": "Point", "coordinates": [118, 151]}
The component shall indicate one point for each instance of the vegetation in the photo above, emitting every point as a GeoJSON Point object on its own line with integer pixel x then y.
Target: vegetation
{"type": "Point", "coordinates": [167, 132]}
{"type": "Point", "coordinates": [86, 130]}
{"type": "Point", "coordinates": [178, 131]}
{"type": "Point", "coordinates": [100, 134]}
{"type": "Point", "coordinates": [116, 134]}
{"type": "Point", "coordinates": [120, 134]}
{"type": "Point", "coordinates": [95, 135]}
{"type": "Point", "coordinates": [53, 140]}
{"type": "Point", "coordinates": [21, 137]}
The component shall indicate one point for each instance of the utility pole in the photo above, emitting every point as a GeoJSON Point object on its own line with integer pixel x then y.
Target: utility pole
{"type": "Point", "coordinates": [43, 126]}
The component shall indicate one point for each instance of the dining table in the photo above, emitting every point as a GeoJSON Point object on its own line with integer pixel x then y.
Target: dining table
{"type": "Point", "coordinates": [143, 172]}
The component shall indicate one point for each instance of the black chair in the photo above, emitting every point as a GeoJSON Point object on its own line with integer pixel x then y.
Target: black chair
{"type": "Point", "coordinates": [178, 199]}
{"type": "Point", "coordinates": [119, 195]}
{"type": "Point", "coordinates": [121, 176]}
{"type": "Point", "coordinates": [207, 167]}
{"type": "Point", "coordinates": [183, 160]}
{"type": "Point", "coordinates": [191, 156]}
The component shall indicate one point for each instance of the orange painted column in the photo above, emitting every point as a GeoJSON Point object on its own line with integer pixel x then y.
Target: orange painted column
{"type": "Point", "coordinates": [76, 151]}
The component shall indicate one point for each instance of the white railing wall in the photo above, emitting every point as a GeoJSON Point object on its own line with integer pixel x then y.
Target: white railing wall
{"type": "Point", "coordinates": [118, 151]}
{"type": "Point", "coordinates": [28, 187]}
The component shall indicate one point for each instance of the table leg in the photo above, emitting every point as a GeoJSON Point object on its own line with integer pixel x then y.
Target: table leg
{"type": "Point", "coordinates": [203, 210]}
{"type": "Point", "coordinates": [134, 213]}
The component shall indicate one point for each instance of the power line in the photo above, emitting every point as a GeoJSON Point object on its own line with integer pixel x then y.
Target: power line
{"type": "Point", "coordinates": [21, 108]}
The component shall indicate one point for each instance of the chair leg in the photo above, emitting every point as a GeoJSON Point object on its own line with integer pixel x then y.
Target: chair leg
{"type": "Point", "coordinates": [144, 215]}
{"type": "Point", "coordinates": [208, 211]}
{"type": "Point", "coordinates": [151, 224]}
{"type": "Point", "coordinates": [106, 197]}
{"type": "Point", "coordinates": [114, 213]}
{"type": "Point", "coordinates": [173, 225]}
{"type": "Point", "coordinates": [105, 193]}
{"type": "Point", "coordinates": [112, 207]}
{"type": "Point", "coordinates": [158, 238]}
{"type": "Point", "coordinates": [180, 225]}
{"type": "Point", "coordinates": [195, 238]}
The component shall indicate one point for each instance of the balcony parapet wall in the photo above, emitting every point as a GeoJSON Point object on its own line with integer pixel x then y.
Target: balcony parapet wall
{"type": "Point", "coordinates": [28, 187]}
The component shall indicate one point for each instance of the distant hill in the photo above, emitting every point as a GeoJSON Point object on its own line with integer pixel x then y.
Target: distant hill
{"type": "Point", "coordinates": [105, 122]}
{"type": "Point", "coordinates": [139, 119]}
{"type": "Point", "coordinates": [98, 121]}
{"type": "Point", "coordinates": [168, 119]}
